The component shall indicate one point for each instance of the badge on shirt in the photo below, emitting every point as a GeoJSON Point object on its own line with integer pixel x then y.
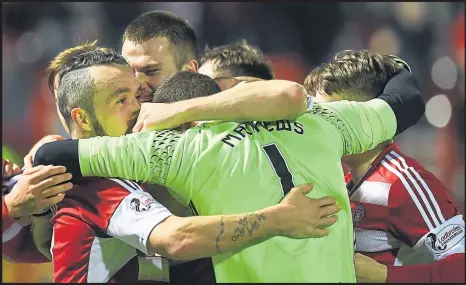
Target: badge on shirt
{"type": "Point", "coordinates": [142, 204]}
{"type": "Point", "coordinates": [445, 239]}
{"type": "Point", "coordinates": [358, 214]}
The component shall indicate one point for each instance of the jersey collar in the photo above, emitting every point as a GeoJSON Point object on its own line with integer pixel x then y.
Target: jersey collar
{"type": "Point", "coordinates": [351, 186]}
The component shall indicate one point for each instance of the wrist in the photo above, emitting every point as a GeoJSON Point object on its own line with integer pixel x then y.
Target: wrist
{"type": "Point", "coordinates": [276, 220]}
{"type": "Point", "coordinates": [8, 200]}
{"type": "Point", "coordinates": [190, 110]}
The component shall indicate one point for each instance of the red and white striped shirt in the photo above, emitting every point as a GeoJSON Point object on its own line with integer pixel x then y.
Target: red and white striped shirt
{"type": "Point", "coordinates": [100, 232]}
{"type": "Point", "coordinates": [17, 242]}
{"type": "Point", "coordinates": [403, 216]}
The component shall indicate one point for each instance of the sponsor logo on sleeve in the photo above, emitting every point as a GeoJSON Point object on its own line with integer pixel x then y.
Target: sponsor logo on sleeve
{"type": "Point", "coordinates": [445, 239]}
{"type": "Point", "coordinates": [358, 214]}
{"type": "Point", "coordinates": [142, 204]}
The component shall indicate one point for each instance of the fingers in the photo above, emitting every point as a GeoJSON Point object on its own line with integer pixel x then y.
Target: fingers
{"type": "Point", "coordinates": [28, 161]}
{"type": "Point", "coordinates": [46, 172]}
{"type": "Point", "coordinates": [329, 210]}
{"type": "Point", "coordinates": [7, 171]}
{"type": "Point", "coordinates": [138, 127]}
{"type": "Point", "coordinates": [303, 188]}
{"type": "Point", "coordinates": [33, 170]}
{"type": "Point", "coordinates": [10, 169]}
{"type": "Point", "coordinates": [326, 222]}
{"type": "Point", "coordinates": [146, 127]}
{"type": "Point", "coordinates": [57, 189]}
{"type": "Point", "coordinates": [16, 169]}
{"type": "Point", "coordinates": [326, 201]}
{"type": "Point", "coordinates": [53, 200]}
{"type": "Point", "coordinates": [318, 233]}
{"type": "Point", "coordinates": [54, 180]}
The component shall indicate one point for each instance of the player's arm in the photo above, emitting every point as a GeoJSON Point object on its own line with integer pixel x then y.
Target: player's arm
{"type": "Point", "coordinates": [362, 126]}
{"type": "Point", "coordinates": [426, 219]}
{"type": "Point", "coordinates": [142, 157]}
{"type": "Point", "coordinates": [143, 223]}
{"type": "Point", "coordinates": [255, 101]}
{"type": "Point", "coordinates": [423, 216]}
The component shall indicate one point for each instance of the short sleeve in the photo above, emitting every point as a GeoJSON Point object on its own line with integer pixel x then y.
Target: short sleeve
{"type": "Point", "coordinates": [135, 218]}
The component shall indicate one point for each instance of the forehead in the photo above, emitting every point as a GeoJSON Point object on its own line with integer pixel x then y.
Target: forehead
{"type": "Point", "coordinates": [113, 76]}
{"type": "Point", "coordinates": [156, 50]}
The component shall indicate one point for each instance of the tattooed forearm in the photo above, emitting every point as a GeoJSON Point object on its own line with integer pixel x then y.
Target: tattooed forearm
{"type": "Point", "coordinates": [220, 233]}
{"type": "Point", "coordinates": [249, 223]}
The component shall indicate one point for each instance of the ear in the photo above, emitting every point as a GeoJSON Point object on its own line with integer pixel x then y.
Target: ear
{"type": "Point", "coordinates": [192, 66]}
{"type": "Point", "coordinates": [81, 119]}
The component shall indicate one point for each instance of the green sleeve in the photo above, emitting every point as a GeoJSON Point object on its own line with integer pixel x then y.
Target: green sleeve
{"type": "Point", "coordinates": [143, 157]}
{"type": "Point", "coordinates": [361, 126]}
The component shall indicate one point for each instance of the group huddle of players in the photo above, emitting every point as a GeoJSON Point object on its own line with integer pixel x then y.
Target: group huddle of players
{"type": "Point", "coordinates": [187, 170]}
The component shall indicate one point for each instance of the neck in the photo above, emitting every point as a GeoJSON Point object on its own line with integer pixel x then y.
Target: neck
{"type": "Point", "coordinates": [80, 134]}
{"type": "Point", "coordinates": [359, 163]}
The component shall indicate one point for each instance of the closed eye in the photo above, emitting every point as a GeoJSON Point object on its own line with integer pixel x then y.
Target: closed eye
{"type": "Point", "coordinates": [152, 71]}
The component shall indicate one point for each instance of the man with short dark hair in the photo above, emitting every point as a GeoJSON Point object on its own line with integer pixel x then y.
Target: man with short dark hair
{"type": "Point", "coordinates": [406, 224]}
{"type": "Point", "coordinates": [224, 63]}
{"type": "Point", "coordinates": [199, 85]}
{"type": "Point", "coordinates": [156, 45]}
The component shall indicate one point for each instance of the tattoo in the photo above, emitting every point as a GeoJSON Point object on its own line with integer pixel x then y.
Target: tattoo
{"type": "Point", "coordinates": [250, 223]}
{"type": "Point", "coordinates": [218, 238]}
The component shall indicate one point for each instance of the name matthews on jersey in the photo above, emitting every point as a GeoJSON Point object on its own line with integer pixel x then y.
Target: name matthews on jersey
{"type": "Point", "coordinates": [250, 128]}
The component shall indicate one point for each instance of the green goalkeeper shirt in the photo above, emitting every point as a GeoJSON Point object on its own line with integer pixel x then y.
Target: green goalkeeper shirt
{"type": "Point", "coordinates": [223, 168]}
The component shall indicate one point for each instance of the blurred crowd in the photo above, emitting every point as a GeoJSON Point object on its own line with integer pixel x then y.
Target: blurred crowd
{"type": "Point", "coordinates": [294, 36]}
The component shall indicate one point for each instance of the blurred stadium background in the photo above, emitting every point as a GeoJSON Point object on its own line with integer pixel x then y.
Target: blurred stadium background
{"type": "Point", "coordinates": [294, 36]}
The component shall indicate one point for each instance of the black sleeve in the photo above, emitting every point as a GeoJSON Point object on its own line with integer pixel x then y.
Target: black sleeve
{"type": "Point", "coordinates": [60, 153]}
{"type": "Point", "coordinates": [403, 95]}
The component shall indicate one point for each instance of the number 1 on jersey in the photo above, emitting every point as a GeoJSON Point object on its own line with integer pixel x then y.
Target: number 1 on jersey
{"type": "Point", "coordinates": [280, 167]}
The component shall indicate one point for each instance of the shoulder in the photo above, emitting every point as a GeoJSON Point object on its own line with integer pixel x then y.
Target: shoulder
{"type": "Point", "coordinates": [416, 195]}
{"type": "Point", "coordinates": [94, 200]}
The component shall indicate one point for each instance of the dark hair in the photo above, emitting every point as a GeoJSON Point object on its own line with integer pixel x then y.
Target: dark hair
{"type": "Point", "coordinates": [76, 89]}
{"type": "Point", "coordinates": [355, 75]}
{"type": "Point", "coordinates": [240, 59]}
{"type": "Point", "coordinates": [165, 24]}
{"type": "Point", "coordinates": [185, 85]}
{"type": "Point", "coordinates": [58, 65]}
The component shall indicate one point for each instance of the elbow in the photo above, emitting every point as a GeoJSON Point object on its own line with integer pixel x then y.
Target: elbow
{"type": "Point", "coordinates": [179, 247]}
{"type": "Point", "coordinates": [296, 100]}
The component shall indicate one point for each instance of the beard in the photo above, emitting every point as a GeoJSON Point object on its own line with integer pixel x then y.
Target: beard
{"type": "Point", "coordinates": [99, 130]}
{"type": "Point", "coordinates": [131, 125]}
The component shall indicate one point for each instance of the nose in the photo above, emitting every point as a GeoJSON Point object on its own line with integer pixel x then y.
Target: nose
{"type": "Point", "coordinates": [146, 90]}
{"type": "Point", "coordinates": [135, 105]}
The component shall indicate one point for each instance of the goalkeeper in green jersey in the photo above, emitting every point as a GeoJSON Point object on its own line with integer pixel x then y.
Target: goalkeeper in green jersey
{"type": "Point", "coordinates": [269, 157]}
